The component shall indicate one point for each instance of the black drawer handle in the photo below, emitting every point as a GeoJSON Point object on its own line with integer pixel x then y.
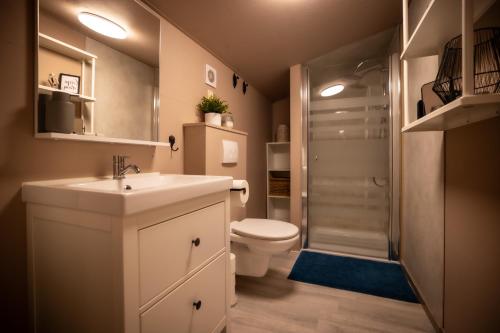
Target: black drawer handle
{"type": "Point", "coordinates": [196, 242]}
{"type": "Point", "coordinates": [197, 305]}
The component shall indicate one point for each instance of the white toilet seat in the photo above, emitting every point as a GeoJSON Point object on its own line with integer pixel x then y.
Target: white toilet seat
{"type": "Point", "coordinates": [263, 246]}
{"type": "Point", "coordinates": [264, 229]}
{"type": "Point", "coordinates": [255, 241]}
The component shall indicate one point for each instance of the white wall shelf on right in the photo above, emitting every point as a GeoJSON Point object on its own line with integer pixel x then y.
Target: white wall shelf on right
{"type": "Point", "coordinates": [440, 22]}
{"type": "Point", "coordinates": [462, 111]}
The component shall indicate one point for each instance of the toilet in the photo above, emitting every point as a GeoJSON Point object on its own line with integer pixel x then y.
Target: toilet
{"type": "Point", "coordinates": [255, 241]}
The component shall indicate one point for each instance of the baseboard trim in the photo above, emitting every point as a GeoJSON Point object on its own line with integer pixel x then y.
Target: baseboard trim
{"type": "Point", "coordinates": [434, 323]}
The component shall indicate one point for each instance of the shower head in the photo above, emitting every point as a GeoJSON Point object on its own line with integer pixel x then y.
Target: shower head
{"type": "Point", "coordinates": [368, 72]}
{"type": "Point", "coordinates": [359, 66]}
{"type": "Point", "coordinates": [369, 65]}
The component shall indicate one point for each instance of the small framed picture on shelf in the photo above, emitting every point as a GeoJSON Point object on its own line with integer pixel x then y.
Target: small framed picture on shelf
{"type": "Point", "coordinates": [69, 83]}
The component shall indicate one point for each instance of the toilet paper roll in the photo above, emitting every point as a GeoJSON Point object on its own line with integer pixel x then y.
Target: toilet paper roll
{"type": "Point", "coordinates": [239, 193]}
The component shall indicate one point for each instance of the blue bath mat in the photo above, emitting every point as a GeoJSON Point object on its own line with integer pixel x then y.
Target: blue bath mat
{"type": "Point", "coordinates": [353, 274]}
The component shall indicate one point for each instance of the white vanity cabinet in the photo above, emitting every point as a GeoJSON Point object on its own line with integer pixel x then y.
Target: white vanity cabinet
{"type": "Point", "coordinates": [159, 270]}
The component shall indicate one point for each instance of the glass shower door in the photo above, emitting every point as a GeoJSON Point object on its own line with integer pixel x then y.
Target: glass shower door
{"type": "Point", "coordinates": [348, 161]}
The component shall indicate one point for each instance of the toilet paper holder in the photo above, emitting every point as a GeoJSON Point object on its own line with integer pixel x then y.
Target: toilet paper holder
{"type": "Point", "coordinates": [239, 189]}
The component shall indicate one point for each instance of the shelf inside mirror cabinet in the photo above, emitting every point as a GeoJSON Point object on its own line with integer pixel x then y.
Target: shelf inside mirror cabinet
{"type": "Point", "coordinates": [94, 138]}
{"type": "Point", "coordinates": [75, 98]}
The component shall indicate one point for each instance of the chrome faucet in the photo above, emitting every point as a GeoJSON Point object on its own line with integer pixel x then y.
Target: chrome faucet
{"type": "Point", "coordinates": [119, 168]}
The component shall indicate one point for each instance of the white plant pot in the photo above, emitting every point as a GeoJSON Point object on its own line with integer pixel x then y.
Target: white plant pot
{"type": "Point", "coordinates": [213, 118]}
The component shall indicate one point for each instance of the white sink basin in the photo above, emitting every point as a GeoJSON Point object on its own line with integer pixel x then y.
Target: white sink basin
{"type": "Point", "coordinates": [131, 195]}
{"type": "Point", "coordinates": [141, 182]}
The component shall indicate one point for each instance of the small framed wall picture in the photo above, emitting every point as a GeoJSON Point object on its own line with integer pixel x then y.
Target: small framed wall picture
{"type": "Point", "coordinates": [69, 83]}
{"type": "Point", "coordinates": [210, 76]}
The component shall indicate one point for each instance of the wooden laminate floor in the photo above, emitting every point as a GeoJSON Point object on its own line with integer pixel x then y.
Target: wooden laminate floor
{"type": "Point", "coordinates": [278, 305]}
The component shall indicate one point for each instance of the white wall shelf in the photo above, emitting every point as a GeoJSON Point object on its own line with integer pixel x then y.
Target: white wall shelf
{"type": "Point", "coordinates": [462, 111]}
{"type": "Point", "coordinates": [440, 22]}
{"type": "Point", "coordinates": [75, 98]}
{"type": "Point", "coordinates": [103, 139]}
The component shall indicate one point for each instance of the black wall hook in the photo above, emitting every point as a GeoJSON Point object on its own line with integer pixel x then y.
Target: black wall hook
{"type": "Point", "coordinates": [235, 80]}
{"type": "Point", "coordinates": [171, 140]}
{"type": "Point", "coordinates": [245, 85]}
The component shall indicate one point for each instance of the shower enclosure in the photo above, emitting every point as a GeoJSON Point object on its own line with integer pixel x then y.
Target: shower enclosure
{"type": "Point", "coordinates": [350, 147]}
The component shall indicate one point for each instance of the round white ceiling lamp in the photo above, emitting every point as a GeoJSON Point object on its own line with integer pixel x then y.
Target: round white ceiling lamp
{"type": "Point", "coordinates": [102, 25]}
{"type": "Point", "coordinates": [332, 90]}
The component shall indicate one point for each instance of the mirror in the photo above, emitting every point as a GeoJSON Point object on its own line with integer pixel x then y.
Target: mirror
{"type": "Point", "coordinates": [98, 70]}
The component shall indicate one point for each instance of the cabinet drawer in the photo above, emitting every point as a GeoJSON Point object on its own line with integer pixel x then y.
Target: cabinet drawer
{"type": "Point", "coordinates": [176, 313]}
{"type": "Point", "coordinates": [167, 251]}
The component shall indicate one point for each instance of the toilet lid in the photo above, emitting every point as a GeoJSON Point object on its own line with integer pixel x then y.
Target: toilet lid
{"type": "Point", "coordinates": [264, 229]}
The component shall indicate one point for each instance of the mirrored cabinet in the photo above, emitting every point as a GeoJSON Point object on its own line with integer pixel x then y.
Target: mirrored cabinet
{"type": "Point", "coordinates": [97, 75]}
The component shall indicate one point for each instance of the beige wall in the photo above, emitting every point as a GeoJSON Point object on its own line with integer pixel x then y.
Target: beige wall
{"type": "Point", "coordinates": [182, 85]}
{"type": "Point", "coordinates": [472, 238]}
{"type": "Point", "coordinates": [422, 216]}
{"type": "Point", "coordinates": [422, 198]}
{"type": "Point", "coordinates": [23, 158]}
{"type": "Point", "coordinates": [281, 114]}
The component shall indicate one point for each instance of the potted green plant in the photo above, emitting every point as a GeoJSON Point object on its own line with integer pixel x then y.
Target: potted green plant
{"type": "Point", "coordinates": [212, 107]}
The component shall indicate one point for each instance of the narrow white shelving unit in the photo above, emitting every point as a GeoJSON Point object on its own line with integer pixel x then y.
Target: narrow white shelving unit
{"type": "Point", "coordinates": [278, 181]}
{"type": "Point", "coordinates": [442, 21]}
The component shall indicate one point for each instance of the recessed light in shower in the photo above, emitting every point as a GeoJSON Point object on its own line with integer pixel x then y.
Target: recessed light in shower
{"type": "Point", "coordinates": [102, 25]}
{"type": "Point", "coordinates": [332, 90]}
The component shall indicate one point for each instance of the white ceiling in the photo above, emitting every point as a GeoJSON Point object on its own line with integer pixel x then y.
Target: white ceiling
{"type": "Point", "coordinates": [261, 39]}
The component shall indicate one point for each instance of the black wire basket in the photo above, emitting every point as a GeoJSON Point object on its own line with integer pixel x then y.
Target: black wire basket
{"type": "Point", "coordinates": [448, 84]}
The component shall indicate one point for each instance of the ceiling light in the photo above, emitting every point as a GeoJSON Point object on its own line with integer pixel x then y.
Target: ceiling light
{"type": "Point", "coordinates": [332, 90]}
{"type": "Point", "coordinates": [102, 25]}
